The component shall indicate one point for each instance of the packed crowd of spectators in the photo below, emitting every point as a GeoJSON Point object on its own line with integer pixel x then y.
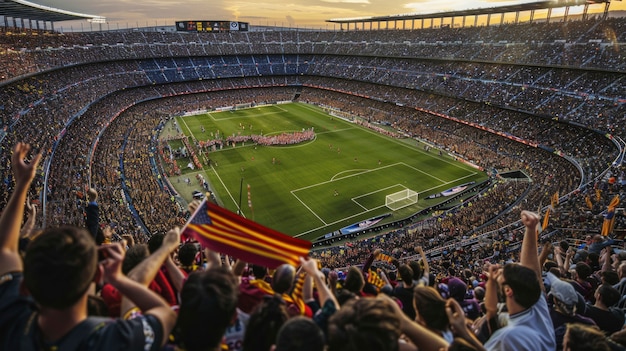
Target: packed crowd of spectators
{"type": "Point", "coordinates": [531, 103]}
{"type": "Point", "coordinates": [113, 293]}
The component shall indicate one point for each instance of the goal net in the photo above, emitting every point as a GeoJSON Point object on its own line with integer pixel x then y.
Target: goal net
{"type": "Point", "coordinates": [401, 199]}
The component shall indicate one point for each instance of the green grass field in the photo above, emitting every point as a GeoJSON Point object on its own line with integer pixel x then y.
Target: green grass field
{"type": "Point", "coordinates": [316, 187]}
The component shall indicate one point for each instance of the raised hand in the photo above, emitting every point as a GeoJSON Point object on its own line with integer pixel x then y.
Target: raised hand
{"type": "Point", "coordinates": [23, 171]}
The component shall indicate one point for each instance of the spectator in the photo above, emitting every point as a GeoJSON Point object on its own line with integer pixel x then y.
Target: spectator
{"type": "Point", "coordinates": [92, 212]}
{"type": "Point", "coordinates": [208, 305]}
{"type": "Point", "coordinates": [584, 338]}
{"type": "Point", "coordinates": [299, 334]}
{"type": "Point", "coordinates": [529, 324]}
{"type": "Point", "coordinates": [404, 290]}
{"type": "Point", "coordinates": [563, 311]}
{"type": "Point", "coordinates": [608, 318]}
{"type": "Point", "coordinates": [66, 259]}
{"type": "Point", "coordinates": [369, 324]}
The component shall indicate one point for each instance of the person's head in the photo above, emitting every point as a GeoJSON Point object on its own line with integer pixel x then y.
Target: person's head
{"type": "Point", "coordinates": [354, 280]}
{"type": "Point", "coordinates": [430, 308]}
{"type": "Point", "coordinates": [92, 194]}
{"type": "Point", "coordinates": [565, 297]}
{"type": "Point", "coordinates": [523, 284]}
{"type": "Point", "coordinates": [155, 242]}
{"type": "Point", "coordinates": [417, 269]}
{"type": "Point", "coordinates": [609, 277]}
{"type": "Point", "coordinates": [283, 278]}
{"type": "Point", "coordinates": [406, 274]}
{"type": "Point", "coordinates": [460, 344]}
{"type": "Point", "coordinates": [208, 304]}
{"type": "Point", "coordinates": [580, 337]}
{"type": "Point", "coordinates": [59, 265]}
{"type": "Point", "coordinates": [265, 321]}
{"type": "Point", "coordinates": [300, 334]}
{"type": "Point", "coordinates": [597, 238]}
{"type": "Point", "coordinates": [259, 272]}
{"type": "Point", "coordinates": [607, 295]}
{"type": "Point", "coordinates": [187, 254]}
{"type": "Point", "coordinates": [457, 288]}
{"type": "Point", "coordinates": [134, 256]}
{"type": "Point", "coordinates": [367, 324]}
{"type": "Point", "coordinates": [583, 271]}
{"type": "Point", "coordinates": [479, 293]}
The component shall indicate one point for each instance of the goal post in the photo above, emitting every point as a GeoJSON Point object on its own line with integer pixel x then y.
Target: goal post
{"type": "Point", "coordinates": [401, 199]}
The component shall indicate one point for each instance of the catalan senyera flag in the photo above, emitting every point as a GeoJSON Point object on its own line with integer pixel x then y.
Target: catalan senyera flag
{"type": "Point", "coordinates": [384, 257]}
{"type": "Point", "coordinates": [296, 294]}
{"type": "Point", "coordinates": [374, 279]}
{"type": "Point", "coordinates": [609, 218]}
{"type": "Point", "coordinates": [588, 202]}
{"type": "Point", "coordinates": [224, 231]}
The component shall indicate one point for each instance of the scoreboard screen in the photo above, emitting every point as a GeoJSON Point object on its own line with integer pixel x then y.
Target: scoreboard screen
{"type": "Point", "coordinates": [211, 26]}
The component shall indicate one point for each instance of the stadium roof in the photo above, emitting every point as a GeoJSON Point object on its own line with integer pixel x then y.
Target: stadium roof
{"type": "Point", "coordinates": [474, 12]}
{"type": "Point", "coordinates": [28, 10]}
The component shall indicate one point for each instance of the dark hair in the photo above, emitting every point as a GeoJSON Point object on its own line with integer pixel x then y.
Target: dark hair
{"type": "Point", "coordinates": [416, 268]}
{"type": "Point", "coordinates": [549, 265]}
{"type": "Point", "coordinates": [259, 272]}
{"type": "Point", "coordinates": [364, 325]}
{"type": "Point", "coordinates": [300, 334]}
{"type": "Point", "coordinates": [406, 274]}
{"type": "Point", "coordinates": [208, 304]}
{"type": "Point", "coordinates": [134, 256]}
{"type": "Point", "coordinates": [608, 295]}
{"type": "Point", "coordinates": [59, 265]}
{"type": "Point", "coordinates": [155, 242]}
{"type": "Point", "coordinates": [187, 254]}
{"type": "Point", "coordinates": [585, 338]}
{"type": "Point", "coordinates": [354, 280]}
{"type": "Point", "coordinates": [610, 277]}
{"type": "Point", "coordinates": [283, 278]}
{"type": "Point", "coordinates": [583, 270]}
{"type": "Point", "coordinates": [524, 282]}
{"type": "Point", "coordinates": [430, 307]}
{"type": "Point", "coordinates": [460, 344]}
{"type": "Point", "coordinates": [265, 321]}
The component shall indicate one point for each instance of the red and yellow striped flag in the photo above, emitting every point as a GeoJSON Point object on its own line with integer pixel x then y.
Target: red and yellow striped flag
{"type": "Point", "coordinates": [384, 257]}
{"type": "Point", "coordinates": [374, 279]}
{"type": "Point", "coordinates": [224, 231]}
{"type": "Point", "coordinates": [588, 202]}
{"type": "Point", "coordinates": [296, 294]}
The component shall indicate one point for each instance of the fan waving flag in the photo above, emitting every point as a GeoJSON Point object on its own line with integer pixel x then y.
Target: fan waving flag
{"type": "Point", "coordinates": [224, 231]}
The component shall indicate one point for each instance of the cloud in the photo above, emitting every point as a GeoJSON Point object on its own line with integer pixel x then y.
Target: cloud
{"type": "Point", "coordinates": [347, 1]}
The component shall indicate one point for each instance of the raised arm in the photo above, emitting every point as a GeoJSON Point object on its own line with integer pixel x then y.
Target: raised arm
{"type": "Point", "coordinates": [12, 214]}
{"type": "Point", "coordinates": [29, 226]}
{"type": "Point", "coordinates": [145, 271]}
{"type": "Point", "coordinates": [528, 256]}
{"type": "Point", "coordinates": [149, 302]}
{"type": "Point", "coordinates": [426, 274]}
{"type": "Point", "coordinates": [423, 338]}
{"type": "Point", "coordinates": [310, 267]}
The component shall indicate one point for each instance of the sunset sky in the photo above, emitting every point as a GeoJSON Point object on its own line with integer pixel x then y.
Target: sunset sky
{"type": "Point", "coordinates": [300, 13]}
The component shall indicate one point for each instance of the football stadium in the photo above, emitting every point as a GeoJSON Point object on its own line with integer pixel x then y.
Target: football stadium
{"type": "Point", "coordinates": [447, 160]}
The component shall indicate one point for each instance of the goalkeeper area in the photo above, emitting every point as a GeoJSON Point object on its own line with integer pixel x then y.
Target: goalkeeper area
{"type": "Point", "coordinates": [342, 174]}
{"type": "Point", "coordinates": [401, 199]}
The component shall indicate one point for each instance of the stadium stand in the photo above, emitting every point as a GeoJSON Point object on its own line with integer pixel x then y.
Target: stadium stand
{"type": "Point", "coordinates": [545, 98]}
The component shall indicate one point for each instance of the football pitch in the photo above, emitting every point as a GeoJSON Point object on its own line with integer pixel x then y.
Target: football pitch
{"type": "Point", "coordinates": [339, 178]}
